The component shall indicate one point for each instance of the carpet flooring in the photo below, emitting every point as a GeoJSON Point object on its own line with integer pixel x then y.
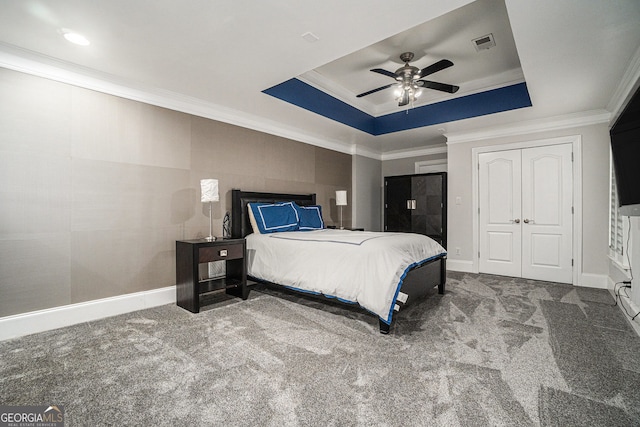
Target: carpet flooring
{"type": "Point", "coordinates": [492, 351]}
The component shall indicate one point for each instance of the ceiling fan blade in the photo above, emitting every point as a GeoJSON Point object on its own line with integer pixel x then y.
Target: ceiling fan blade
{"type": "Point", "coordinates": [443, 87]}
{"type": "Point", "coordinates": [374, 90]}
{"type": "Point", "coordinates": [385, 72]}
{"type": "Point", "coordinates": [434, 68]}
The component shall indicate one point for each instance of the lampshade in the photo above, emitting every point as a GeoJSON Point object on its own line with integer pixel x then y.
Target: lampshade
{"type": "Point", "coordinates": [209, 190]}
{"type": "Point", "coordinates": [341, 198]}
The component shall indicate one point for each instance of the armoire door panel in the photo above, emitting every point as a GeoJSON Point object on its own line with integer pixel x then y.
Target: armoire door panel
{"type": "Point", "coordinates": [397, 215]}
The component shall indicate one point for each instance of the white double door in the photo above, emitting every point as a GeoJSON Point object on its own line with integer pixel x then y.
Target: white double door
{"type": "Point", "coordinates": [526, 213]}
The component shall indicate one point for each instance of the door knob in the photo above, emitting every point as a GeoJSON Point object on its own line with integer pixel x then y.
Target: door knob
{"type": "Point", "coordinates": [526, 221]}
{"type": "Point", "coordinates": [517, 221]}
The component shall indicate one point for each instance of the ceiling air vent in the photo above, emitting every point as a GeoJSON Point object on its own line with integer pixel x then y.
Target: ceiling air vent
{"type": "Point", "coordinates": [484, 42]}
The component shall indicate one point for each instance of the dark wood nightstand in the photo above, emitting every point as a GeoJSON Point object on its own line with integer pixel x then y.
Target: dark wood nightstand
{"type": "Point", "coordinates": [191, 253]}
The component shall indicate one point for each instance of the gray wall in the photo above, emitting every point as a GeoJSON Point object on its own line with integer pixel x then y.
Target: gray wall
{"type": "Point", "coordinates": [367, 193]}
{"type": "Point", "coordinates": [95, 189]}
{"type": "Point", "coordinates": [595, 193]}
{"type": "Point", "coordinates": [407, 166]}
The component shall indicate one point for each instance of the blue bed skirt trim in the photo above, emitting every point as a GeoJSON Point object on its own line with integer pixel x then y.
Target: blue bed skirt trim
{"type": "Point", "coordinates": [395, 296]}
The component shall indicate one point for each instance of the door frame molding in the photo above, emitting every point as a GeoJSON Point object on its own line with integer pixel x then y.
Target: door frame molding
{"type": "Point", "coordinates": [576, 143]}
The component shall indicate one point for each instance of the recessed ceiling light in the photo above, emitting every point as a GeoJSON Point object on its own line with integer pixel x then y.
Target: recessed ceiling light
{"type": "Point", "coordinates": [74, 37]}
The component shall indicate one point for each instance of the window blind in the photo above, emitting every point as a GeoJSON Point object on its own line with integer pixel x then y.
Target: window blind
{"type": "Point", "coordinates": [616, 226]}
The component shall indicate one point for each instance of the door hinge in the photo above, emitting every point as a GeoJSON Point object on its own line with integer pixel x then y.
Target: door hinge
{"type": "Point", "coordinates": [571, 262]}
{"type": "Point", "coordinates": [478, 254]}
{"type": "Point", "coordinates": [571, 210]}
{"type": "Point", "coordinates": [386, 206]}
{"type": "Point", "coordinates": [572, 156]}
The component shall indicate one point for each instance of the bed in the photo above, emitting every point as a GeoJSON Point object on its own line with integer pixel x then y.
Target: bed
{"type": "Point", "coordinates": [339, 264]}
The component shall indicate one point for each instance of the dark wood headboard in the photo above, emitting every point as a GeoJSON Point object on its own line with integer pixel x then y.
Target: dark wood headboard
{"type": "Point", "coordinates": [240, 225]}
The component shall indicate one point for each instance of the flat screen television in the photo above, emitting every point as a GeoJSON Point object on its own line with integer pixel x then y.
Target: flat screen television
{"type": "Point", "coordinates": [625, 150]}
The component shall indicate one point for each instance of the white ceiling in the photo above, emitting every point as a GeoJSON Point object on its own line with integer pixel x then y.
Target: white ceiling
{"type": "Point", "coordinates": [215, 58]}
{"type": "Point", "coordinates": [446, 37]}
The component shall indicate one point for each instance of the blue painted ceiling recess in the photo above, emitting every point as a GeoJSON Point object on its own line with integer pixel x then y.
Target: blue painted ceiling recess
{"type": "Point", "coordinates": [492, 101]}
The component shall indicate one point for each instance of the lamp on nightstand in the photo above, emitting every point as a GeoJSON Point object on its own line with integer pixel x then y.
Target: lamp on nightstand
{"type": "Point", "coordinates": [209, 191]}
{"type": "Point", "coordinates": [341, 200]}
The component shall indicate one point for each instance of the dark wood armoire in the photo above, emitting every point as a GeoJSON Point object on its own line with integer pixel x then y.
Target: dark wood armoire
{"type": "Point", "coordinates": [417, 204]}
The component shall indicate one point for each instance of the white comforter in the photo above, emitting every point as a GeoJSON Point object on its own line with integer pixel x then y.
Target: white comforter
{"type": "Point", "coordinates": [362, 267]}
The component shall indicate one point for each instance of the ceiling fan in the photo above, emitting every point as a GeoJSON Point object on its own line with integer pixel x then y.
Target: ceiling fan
{"type": "Point", "coordinates": [410, 81]}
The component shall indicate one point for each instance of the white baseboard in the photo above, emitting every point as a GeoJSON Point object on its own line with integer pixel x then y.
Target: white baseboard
{"type": "Point", "coordinates": [460, 265]}
{"type": "Point", "coordinates": [589, 280]}
{"type": "Point", "coordinates": [52, 318]}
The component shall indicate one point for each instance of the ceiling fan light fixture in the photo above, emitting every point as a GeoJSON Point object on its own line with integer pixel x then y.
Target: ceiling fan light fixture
{"type": "Point", "coordinates": [409, 84]}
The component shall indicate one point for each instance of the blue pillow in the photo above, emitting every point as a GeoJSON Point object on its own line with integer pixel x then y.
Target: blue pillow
{"type": "Point", "coordinates": [310, 217]}
{"type": "Point", "coordinates": [272, 218]}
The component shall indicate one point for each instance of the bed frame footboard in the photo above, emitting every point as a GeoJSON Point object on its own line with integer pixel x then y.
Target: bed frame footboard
{"type": "Point", "coordinates": [419, 281]}
{"type": "Point", "coordinates": [384, 328]}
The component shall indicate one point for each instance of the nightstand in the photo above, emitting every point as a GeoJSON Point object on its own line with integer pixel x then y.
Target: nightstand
{"type": "Point", "coordinates": [191, 253]}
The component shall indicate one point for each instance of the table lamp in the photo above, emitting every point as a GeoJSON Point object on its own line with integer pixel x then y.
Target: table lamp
{"type": "Point", "coordinates": [341, 200]}
{"type": "Point", "coordinates": [209, 191]}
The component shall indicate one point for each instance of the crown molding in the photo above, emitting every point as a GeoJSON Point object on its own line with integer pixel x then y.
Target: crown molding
{"type": "Point", "coordinates": [533, 126]}
{"type": "Point", "coordinates": [320, 82]}
{"type": "Point", "coordinates": [626, 88]}
{"type": "Point", "coordinates": [29, 62]}
{"type": "Point", "coordinates": [359, 150]}
{"type": "Point", "coordinates": [405, 154]}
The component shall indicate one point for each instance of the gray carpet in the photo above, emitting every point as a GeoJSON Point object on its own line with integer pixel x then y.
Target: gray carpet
{"type": "Point", "coordinates": [492, 351]}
